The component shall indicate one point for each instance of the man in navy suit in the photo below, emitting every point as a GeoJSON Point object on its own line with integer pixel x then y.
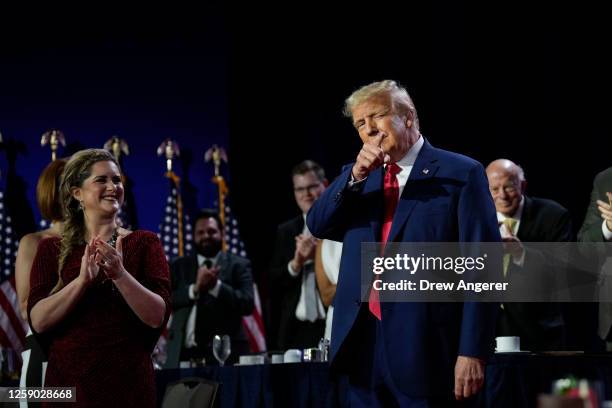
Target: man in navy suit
{"type": "Point", "coordinates": [403, 189]}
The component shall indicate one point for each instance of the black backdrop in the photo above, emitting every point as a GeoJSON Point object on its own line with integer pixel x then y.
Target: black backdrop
{"type": "Point", "coordinates": [523, 82]}
{"type": "Point", "coordinates": [529, 84]}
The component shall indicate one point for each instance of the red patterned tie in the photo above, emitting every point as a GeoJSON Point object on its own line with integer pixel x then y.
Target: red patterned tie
{"type": "Point", "coordinates": [391, 194]}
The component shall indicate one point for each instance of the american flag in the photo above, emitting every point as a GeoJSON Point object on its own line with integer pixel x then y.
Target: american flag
{"type": "Point", "coordinates": [253, 324]}
{"type": "Point", "coordinates": [123, 216]}
{"type": "Point", "coordinates": [12, 327]}
{"type": "Point", "coordinates": [175, 229]}
{"type": "Point", "coordinates": [176, 237]}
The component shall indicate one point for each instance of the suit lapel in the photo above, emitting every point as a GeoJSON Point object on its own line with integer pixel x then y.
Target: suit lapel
{"type": "Point", "coordinates": [423, 169]}
{"type": "Point", "coordinates": [192, 269]}
{"type": "Point", "coordinates": [525, 226]}
{"type": "Point", "coordinates": [299, 225]}
{"type": "Point", "coordinates": [222, 262]}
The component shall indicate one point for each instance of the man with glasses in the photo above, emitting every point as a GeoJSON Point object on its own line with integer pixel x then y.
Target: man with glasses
{"type": "Point", "coordinates": [297, 314]}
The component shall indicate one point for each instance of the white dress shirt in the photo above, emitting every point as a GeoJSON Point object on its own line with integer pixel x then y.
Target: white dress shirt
{"type": "Point", "coordinates": [606, 232]}
{"type": "Point", "coordinates": [310, 307]}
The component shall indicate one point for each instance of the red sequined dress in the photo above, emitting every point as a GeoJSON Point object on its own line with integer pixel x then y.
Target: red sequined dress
{"type": "Point", "coordinates": [101, 347]}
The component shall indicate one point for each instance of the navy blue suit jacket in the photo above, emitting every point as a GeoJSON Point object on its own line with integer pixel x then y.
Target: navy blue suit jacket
{"type": "Point", "coordinates": [446, 199]}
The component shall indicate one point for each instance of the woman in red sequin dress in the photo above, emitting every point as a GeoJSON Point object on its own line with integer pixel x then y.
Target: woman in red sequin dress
{"type": "Point", "coordinates": [102, 313]}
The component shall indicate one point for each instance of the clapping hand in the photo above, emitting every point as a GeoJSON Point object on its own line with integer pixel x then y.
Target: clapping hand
{"type": "Point", "coordinates": [605, 210]}
{"type": "Point", "coordinates": [512, 244]}
{"type": "Point", "coordinates": [305, 246]}
{"type": "Point", "coordinates": [207, 278]}
{"type": "Point", "coordinates": [89, 267]}
{"type": "Point", "coordinates": [109, 259]}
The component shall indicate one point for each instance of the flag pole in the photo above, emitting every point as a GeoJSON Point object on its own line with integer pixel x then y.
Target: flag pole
{"type": "Point", "coordinates": [170, 149]}
{"type": "Point", "coordinates": [216, 155]}
{"type": "Point", "coordinates": [117, 146]}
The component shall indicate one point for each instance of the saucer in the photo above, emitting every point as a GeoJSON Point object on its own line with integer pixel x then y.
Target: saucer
{"type": "Point", "coordinates": [513, 352]}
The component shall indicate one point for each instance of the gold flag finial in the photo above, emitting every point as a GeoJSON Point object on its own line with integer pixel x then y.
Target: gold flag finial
{"type": "Point", "coordinates": [216, 154]}
{"type": "Point", "coordinates": [53, 138]}
{"type": "Point", "coordinates": [170, 149]}
{"type": "Point", "coordinates": [116, 146]}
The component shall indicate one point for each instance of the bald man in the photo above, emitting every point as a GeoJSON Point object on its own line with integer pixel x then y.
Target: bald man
{"type": "Point", "coordinates": [539, 325]}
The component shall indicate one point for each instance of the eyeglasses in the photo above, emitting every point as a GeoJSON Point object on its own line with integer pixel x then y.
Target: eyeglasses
{"type": "Point", "coordinates": [310, 189]}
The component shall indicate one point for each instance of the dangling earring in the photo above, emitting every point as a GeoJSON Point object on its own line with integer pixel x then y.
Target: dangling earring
{"type": "Point", "coordinates": [81, 207]}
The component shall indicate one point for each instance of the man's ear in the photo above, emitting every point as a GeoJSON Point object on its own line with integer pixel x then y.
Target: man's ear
{"type": "Point", "coordinates": [325, 182]}
{"type": "Point", "coordinates": [523, 186]}
{"type": "Point", "coordinates": [409, 119]}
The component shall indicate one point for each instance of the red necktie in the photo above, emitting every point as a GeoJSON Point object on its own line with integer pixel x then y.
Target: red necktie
{"type": "Point", "coordinates": [391, 194]}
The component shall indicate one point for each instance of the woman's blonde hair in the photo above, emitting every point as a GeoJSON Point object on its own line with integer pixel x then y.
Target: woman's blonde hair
{"type": "Point", "coordinates": [77, 170]}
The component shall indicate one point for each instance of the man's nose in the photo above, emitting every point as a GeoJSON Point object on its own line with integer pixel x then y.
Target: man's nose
{"type": "Point", "coordinates": [371, 128]}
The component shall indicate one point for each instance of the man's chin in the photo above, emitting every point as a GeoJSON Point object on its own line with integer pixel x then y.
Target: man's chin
{"type": "Point", "coordinates": [208, 252]}
{"type": "Point", "coordinates": [507, 211]}
{"type": "Point", "coordinates": [306, 207]}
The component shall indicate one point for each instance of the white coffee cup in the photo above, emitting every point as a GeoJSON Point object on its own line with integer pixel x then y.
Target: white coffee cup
{"type": "Point", "coordinates": [507, 344]}
{"type": "Point", "coordinates": [292, 356]}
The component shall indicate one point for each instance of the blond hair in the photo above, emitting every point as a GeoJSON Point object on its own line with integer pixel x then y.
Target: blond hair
{"type": "Point", "coordinates": [402, 102]}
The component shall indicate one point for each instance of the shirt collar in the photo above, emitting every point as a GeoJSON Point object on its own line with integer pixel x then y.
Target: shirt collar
{"type": "Point", "coordinates": [214, 259]}
{"type": "Point", "coordinates": [305, 230]}
{"type": "Point", "coordinates": [410, 157]}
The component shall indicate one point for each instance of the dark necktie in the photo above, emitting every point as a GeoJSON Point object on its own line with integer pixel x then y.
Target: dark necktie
{"type": "Point", "coordinates": [202, 324]}
{"type": "Point", "coordinates": [391, 195]}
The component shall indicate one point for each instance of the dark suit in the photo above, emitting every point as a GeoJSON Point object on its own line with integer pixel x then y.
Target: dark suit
{"type": "Point", "coordinates": [285, 289]}
{"type": "Point", "coordinates": [539, 325]}
{"type": "Point", "coordinates": [215, 315]}
{"type": "Point", "coordinates": [591, 232]}
{"type": "Point", "coordinates": [591, 227]}
{"type": "Point", "coordinates": [446, 199]}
